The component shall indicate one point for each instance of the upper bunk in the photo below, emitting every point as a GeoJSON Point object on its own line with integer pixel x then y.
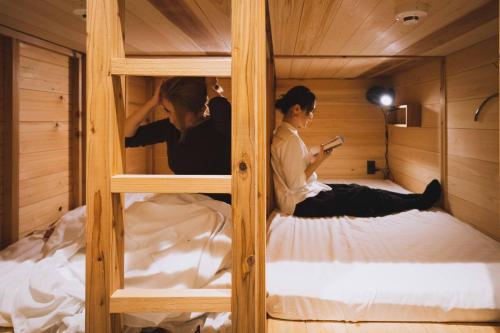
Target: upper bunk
{"type": "Point", "coordinates": [310, 38]}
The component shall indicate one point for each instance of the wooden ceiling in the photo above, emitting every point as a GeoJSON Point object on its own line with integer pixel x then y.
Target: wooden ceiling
{"type": "Point", "coordinates": [306, 33]}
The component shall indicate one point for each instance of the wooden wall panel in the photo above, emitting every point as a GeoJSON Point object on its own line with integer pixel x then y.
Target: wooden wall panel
{"type": "Point", "coordinates": [44, 137]}
{"type": "Point", "coordinates": [138, 160]}
{"type": "Point", "coordinates": [414, 152]}
{"type": "Point", "coordinates": [471, 76]}
{"type": "Point", "coordinates": [341, 109]}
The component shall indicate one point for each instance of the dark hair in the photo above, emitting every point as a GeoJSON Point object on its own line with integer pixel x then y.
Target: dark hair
{"type": "Point", "coordinates": [187, 94]}
{"type": "Point", "coordinates": [300, 95]}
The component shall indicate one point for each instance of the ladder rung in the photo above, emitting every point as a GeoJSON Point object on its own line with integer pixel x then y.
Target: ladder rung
{"type": "Point", "coordinates": [170, 300]}
{"type": "Point", "coordinates": [175, 66]}
{"type": "Point", "coordinates": [170, 184]}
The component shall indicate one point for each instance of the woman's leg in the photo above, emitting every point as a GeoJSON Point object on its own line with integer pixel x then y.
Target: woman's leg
{"type": "Point", "coordinates": [357, 200]}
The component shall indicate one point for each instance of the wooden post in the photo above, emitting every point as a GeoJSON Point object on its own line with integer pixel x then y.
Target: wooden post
{"type": "Point", "coordinates": [10, 226]}
{"type": "Point", "coordinates": [248, 165]}
{"type": "Point", "coordinates": [443, 129]}
{"type": "Point", "coordinates": [76, 128]}
{"type": "Point", "coordinates": [104, 157]}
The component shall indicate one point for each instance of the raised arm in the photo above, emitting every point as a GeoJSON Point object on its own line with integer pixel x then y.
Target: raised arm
{"type": "Point", "coordinates": [135, 119]}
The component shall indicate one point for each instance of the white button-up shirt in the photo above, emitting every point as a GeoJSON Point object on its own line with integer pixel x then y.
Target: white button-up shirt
{"type": "Point", "coordinates": [290, 159]}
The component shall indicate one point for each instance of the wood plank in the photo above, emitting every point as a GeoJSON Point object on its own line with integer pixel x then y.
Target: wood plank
{"type": "Point", "coordinates": [419, 138]}
{"type": "Point", "coordinates": [170, 300]}
{"type": "Point", "coordinates": [474, 143]}
{"type": "Point", "coordinates": [40, 188]}
{"type": "Point", "coordinates": [11, 163]}
{"type": "Point", "coordinates": [461, 114]}
{"type": "Point", "coordinates": [39, 164]}
{"type": "Point", "coordinates": [41, 214]}
{"type": "Point", "coordinates": [480, 54]}
{"type": "Point", "coordinates": [77, 144]}
{"type": "Point", "coordinates": [170, 184]}
{"type": "Point", "coordinates": [39, 54]}
{"type": "Point", "coordinates": [475, 83]}
{"type": "Point", "coordinates": [173, 66]}
{"type": "Point", "coordinates": [248, 49]}
{"type": "Point", "coordinates": [43, 136]}
{"type": "Point", "coordinates": [484, 220]}
{"type": "Point", "coordinates": [470, 21]}
{"type": "Point", "coordinates": [104, 244]}
{"type": "Point", "coordinates": [43, 106]}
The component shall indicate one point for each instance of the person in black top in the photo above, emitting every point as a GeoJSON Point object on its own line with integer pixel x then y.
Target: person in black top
{"type": "Point", "coordinates": [197, 132]}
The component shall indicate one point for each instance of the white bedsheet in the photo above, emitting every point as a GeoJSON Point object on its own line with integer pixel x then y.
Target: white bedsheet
{"type": "Point", "coordinates": [171, 241]}
{"type": "Point", "coordinates": [411, 266]}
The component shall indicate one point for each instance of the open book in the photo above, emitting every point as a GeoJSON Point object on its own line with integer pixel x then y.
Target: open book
{"type": "Point", "coordinates": [333, 143]}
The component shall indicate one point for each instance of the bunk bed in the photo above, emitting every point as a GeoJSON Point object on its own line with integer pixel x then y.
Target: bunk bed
{"type": "Point", "coordinates": [112, 286]}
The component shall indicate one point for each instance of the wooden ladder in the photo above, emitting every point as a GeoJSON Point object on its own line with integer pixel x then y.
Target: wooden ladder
{"type": "Point", "coordinates": [106, 297]}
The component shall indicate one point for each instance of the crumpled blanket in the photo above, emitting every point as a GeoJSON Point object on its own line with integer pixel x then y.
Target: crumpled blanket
{"type": "Point", "coordinates": [171, 241]}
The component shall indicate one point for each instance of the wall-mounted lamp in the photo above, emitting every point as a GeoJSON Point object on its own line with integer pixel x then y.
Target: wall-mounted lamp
{"type": "Point", "coordinates": [381, 96]}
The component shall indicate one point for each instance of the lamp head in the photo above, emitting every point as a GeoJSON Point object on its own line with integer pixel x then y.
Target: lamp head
{"type": "Point", "coordinates": [380, 96]}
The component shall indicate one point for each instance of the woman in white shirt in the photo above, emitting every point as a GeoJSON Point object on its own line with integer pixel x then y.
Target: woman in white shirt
{"type": "Point", "coordinates": [299, 192]}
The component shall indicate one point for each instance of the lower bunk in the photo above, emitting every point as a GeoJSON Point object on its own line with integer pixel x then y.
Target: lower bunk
{"type": "Point", "coordinates": [414, 271]}
{"type": "Point", "coordinates": [399, 273]}
{"type": "Point", "coordinates": [171, 241]}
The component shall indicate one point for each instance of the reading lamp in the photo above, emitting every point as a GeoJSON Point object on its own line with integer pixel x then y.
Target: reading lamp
{"type": "Point", "coordinates": [380, 96]}
{"type": "Point", "coordinates": [383, 98]}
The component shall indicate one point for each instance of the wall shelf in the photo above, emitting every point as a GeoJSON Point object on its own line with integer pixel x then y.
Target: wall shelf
{"type": "Point", "coordinates": [406, 115]}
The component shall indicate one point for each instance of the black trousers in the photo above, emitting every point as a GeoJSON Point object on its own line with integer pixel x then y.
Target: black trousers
{"type": "Point", "coordinates": [357, 200]}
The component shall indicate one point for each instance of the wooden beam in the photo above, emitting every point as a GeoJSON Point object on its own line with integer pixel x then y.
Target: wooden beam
{"type": "Point", "coordinates": [248, 28]}
{"type": "Point", "coordinates": [171, 300]}
{"type": "Point", "coordinates": [170, 184]}
{"type": "Point", "coordinates": [10, 225]}
{"type": "Point", "coordinates": [178, 66]}
{"type": "Point", "coordinates": [104, 238]}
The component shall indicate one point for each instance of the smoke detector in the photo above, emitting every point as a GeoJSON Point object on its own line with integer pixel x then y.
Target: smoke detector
{"type": "Point", "coordinates": [411, 12]}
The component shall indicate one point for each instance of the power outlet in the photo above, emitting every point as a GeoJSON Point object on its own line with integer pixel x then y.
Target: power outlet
{"type": "Point", "coordinates": [370, 167]}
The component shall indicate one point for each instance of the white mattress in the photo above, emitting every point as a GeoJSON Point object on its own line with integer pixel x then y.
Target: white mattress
{"type": "Point", "coordinates": [411, 266]}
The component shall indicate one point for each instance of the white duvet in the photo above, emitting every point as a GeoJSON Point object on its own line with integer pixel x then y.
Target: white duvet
{"type": "Point", "coordinates": [411, 266]}
{"type": "Point", "coordinates": [171, 241]}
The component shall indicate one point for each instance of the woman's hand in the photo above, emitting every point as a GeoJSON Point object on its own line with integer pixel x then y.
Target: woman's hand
{"type": "Point", "coordinates": [134, 120]}
{"type": "Point", "coordinates": [318, 159]}
{"type": "Point", "coordinates": [155, 99]}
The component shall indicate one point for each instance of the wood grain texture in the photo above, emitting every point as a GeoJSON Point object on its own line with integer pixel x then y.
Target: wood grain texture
{"type": "Point", "coordinates": [178, 66]}
{"type": "Point", "coordinates": [248, 165]}
{"type": "Point", "coordinates": [473, 147]}
{"type": "Point", "coordinates": [341, 109]}
{"type": "Point", "coordinates": [414, 151]}
{"type": "Point", "coordinates": [45, 74]}
{"type": "Point", "coordinates": [282, 326]}
{"type": "Point", "coordinates": [104, 238]}
{"type": "Point", "coordinates": [170, 184]}
{"type": "Point", "coordinates": [171, 300]}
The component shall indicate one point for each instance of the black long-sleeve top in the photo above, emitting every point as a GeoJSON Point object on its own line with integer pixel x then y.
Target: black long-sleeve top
{"type": "Point", "coordinates": [206, 148]}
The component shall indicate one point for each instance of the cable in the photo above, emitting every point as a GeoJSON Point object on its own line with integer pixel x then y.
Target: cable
{"type": "Point", "coordinates": [387, 170]}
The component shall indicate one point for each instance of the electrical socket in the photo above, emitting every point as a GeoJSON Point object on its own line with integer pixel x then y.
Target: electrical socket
{"type": "Point", "coordinates": [370, 167]}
